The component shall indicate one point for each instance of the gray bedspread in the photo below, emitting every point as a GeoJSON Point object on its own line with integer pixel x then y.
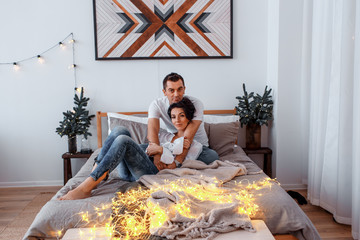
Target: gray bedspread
{"type": "Point", "coordinates": [279, 211]}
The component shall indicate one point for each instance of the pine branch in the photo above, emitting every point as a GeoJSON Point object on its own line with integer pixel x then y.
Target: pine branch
{"type": "Point", "coordinates": [255, 108]}
{"type": "Point", "coordinates": [77, 121]}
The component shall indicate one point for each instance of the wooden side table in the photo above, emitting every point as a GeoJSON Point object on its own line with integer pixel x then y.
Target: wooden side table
{"type": "Point", "coordinates": [67, 163]}
{"type": "Point", "coordinates": [267, 152]}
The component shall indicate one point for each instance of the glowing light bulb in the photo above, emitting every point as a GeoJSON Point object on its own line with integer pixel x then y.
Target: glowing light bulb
{"type": "Point", "coordinates": [78, 89]}
{"type": "Point", "coordinates": [16, 66]}
{"type": "Point", "coordinates": [72, 66]}
{"type": "Point", "coordinates": [62, 46]}
{"type": "Point", "coordinates": [40, 59]}
{"type": "Point", "coordinates": [72, 41]}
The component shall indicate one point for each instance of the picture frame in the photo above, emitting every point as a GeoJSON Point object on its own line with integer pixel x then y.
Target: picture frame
{"type": "Point", "coordinates": [162, 29]}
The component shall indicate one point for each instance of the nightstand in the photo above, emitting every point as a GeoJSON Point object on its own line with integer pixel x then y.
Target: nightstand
{"type": "Point", "coordinates": [267, 152]}
{"type": "Point", "coordinates": [67, 163]}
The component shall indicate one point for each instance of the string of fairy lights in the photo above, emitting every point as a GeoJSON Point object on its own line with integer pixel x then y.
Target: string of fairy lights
{"type": "Point", "coordinates": [135, 216]}
{"type": "Point", "coordinates": [68, 40]}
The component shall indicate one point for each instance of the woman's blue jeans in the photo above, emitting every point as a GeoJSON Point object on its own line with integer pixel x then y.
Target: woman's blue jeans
{"type": "Point", "coordinates": [121, 151]}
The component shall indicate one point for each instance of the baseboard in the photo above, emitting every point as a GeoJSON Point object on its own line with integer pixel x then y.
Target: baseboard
{"type": "Point", "coordinates": [294, 186]}
{"type": "Point", "coordinates": [31, 183]}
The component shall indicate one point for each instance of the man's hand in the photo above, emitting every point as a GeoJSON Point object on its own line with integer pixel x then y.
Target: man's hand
{"type": "Point", "coordinates": [153, 149]}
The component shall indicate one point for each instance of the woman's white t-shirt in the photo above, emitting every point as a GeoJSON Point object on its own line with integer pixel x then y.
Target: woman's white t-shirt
{"type": "Point", "coordinates": [171, 149]}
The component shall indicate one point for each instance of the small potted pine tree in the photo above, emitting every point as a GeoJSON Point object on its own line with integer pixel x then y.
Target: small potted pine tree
{"type": "Point", "coordinates": [254, 110]}
{"type": "Point", "coordinates": [76, 122]}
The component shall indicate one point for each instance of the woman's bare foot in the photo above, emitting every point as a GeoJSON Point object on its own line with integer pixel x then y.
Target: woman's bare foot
{"type": "Point", "coordinates": [84, 189]}
{"type": "Point", "coordinates": [75, 194]}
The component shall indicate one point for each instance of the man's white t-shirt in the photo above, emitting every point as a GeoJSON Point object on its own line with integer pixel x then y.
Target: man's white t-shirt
{"type": "Point", "coordinates": [159, 107]}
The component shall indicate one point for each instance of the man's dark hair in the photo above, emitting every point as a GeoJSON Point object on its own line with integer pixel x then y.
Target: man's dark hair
{"type": "Point", "coordinates": [174, 77]}
{"type": "Point", "coordinates": [186, 105]}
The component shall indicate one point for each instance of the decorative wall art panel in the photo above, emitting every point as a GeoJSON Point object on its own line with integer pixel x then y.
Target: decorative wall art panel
{"type": "Point", "coordinates": [155, 29]}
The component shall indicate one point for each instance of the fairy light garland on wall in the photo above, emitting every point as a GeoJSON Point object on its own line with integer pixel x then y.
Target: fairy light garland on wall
{"type": "Point", "coordinates": [69, 39]}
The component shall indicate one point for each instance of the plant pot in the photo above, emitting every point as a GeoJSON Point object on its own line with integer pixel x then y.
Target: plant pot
{"type": "Point", "coordinates": [72, 145]}
{"type": "Point", "coordinates": [253, 136]}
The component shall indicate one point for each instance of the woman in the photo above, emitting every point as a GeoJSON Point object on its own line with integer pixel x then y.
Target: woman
{"type": "Point", "coordinates": [121, 151]}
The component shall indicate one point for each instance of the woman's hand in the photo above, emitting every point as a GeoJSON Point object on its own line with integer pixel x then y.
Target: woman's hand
{"type": "Point", "coordinates": [160, 165]}
{"type": "Point", "coordinates": [153, 149]}
{"type": "Point", "coordinates": [186, 143]}
{"type": "Point", "coordinates": [171, 166]}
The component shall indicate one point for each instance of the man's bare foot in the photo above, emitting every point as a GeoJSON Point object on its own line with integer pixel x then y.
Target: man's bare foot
{"type": "Point", "coordinates": [75, 194]}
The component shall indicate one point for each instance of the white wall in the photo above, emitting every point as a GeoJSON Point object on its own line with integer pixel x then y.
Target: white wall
{"type": "Point", "coordinates": [289, 128]}
{"type": "Point", "coordinates": [287, 137]}
{"type": "Point", "coordinates": [32, 99]}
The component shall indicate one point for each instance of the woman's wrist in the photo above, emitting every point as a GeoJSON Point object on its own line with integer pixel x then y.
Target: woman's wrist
{"type": "Point", "coordinates": [178, 164]}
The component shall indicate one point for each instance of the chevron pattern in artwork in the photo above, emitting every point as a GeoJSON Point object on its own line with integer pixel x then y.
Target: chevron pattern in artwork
{"type": "Point", "coordinates": [130, 29]}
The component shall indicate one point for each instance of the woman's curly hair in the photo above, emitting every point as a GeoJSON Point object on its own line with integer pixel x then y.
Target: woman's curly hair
{"type": "Point", "coordinates": [186, 105]}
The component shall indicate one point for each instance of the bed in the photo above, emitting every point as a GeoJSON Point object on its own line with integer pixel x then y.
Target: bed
{"type": "Point", "coordinates": [277, 209]}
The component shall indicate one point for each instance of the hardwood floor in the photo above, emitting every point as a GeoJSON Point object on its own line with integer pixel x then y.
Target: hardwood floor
{"type": "Point", "coordinates": [324, 223]}
{"type": "Point", "coordinates": [14, 200]}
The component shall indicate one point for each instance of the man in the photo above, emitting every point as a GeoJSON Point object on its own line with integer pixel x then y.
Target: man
{"type": "Point", "coordinates": [174, 90]}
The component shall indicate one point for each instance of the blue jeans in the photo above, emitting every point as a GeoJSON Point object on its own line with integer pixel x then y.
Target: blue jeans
{"type": "Point", "coordinates": [208, 155]}
{"type": "Point", "coordinates": [121, 151]}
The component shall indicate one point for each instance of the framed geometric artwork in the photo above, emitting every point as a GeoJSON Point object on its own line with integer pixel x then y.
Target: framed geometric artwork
{"type": "Point", "coordinates": [162, 29]}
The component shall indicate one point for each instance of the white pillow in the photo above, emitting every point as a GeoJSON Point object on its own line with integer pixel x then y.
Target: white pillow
{"type": "Point", "coordinates": [125, 117]}
{"type": "Point", "coordinates": [133, 118]}
{"type": "Point", "coordinates": [220, 119]}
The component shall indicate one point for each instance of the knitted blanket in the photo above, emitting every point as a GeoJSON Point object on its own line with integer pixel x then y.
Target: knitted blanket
{"type": "Point", "coordinates": [191, 201]}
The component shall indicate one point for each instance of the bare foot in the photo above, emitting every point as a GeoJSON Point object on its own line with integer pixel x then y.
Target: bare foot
{"type": "Point", "coordinates": [83, 190]}
{"type": "Point", "coordinates": [75, 194]}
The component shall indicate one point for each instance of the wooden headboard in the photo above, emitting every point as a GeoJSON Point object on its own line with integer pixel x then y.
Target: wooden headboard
{"type": "Point", "coordinates": [100, 115]}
